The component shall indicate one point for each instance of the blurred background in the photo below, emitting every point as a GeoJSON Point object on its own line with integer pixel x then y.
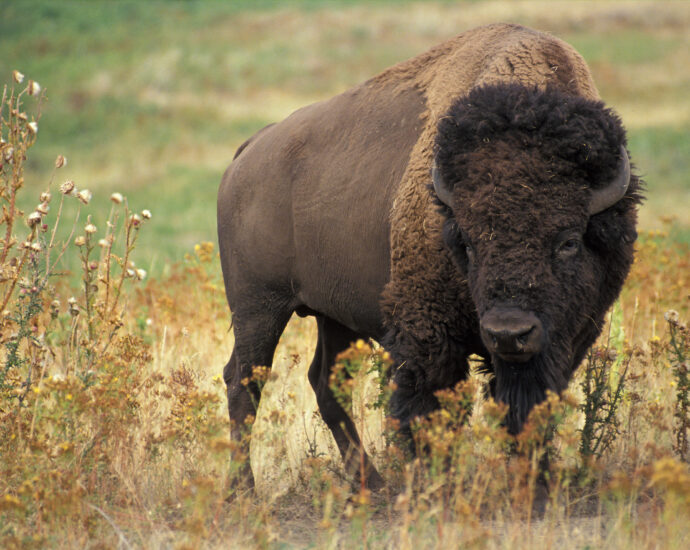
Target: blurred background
{"type": "Point", "coordinates": [151, 99]}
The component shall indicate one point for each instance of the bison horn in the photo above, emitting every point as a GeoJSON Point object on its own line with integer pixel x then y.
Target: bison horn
{"type": "Point", "coordinates": [614, 191]}
{"type": "Point", "coordinates": [442, 190]}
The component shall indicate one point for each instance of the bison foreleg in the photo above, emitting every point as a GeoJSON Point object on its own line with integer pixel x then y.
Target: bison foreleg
{"type": "Point", "coordinates": [410, 400]}
{"type": "Point", "coordinates": [424, 369]}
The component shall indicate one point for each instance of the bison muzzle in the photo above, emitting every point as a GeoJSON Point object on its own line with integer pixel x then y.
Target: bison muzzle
{"type": "Point", "coordinates": [477, 199]}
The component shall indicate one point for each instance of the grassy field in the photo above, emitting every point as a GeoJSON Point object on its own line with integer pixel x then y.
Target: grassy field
{"type": "Point", "coordinates": [113, 430]}
{"type": "Point", "coordinates": [152, 98]}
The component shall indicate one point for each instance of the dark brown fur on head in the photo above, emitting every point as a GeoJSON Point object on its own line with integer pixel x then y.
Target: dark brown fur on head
{"type": "Point", "coordinates": [521, 163]}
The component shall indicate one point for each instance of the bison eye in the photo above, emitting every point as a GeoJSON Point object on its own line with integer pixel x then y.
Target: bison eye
{"type": "Point", "coordinates": [469, 251]}
{"type": "Point", "coordinates": [569, 247]}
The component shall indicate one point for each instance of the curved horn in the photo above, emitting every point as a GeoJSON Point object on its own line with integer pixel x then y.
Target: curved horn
{"type": "Point", "coordinates": [442, 190]}
{"type": "Point", "coordinates": [615, 190]}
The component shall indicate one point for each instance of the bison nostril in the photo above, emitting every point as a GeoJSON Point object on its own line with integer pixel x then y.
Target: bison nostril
{"type": "Point", "coordinates": [524, 337]}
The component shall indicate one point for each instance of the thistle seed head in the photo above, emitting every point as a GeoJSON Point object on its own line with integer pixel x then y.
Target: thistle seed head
{"type": "Point", "coordinates": [34, 219]}
{"type": "Point", "coordinates": [67, 187]}
{"type": "Point", "coordinates": [34, 87]}
{"type": "Point", "coordinates": [84, 196]}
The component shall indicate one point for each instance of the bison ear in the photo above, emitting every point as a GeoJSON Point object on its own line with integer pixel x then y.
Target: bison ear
{"type": "Point", "coordinates": [443, 192]}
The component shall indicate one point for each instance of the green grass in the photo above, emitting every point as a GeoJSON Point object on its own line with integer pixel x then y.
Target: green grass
{"type": "Point", "coordinates": [152, 98]}
{"type": "Point", "coordinates": [630, 47]}
{"type": "Point", "coordinates": [662, 155]}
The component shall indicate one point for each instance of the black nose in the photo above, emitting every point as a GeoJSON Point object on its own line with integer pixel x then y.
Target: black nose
{"type": "Point", "coordinates": [512, 334]}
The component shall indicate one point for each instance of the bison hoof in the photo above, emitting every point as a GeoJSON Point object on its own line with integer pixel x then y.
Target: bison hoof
{"type": "Point", "coordinates": [374, 482]}
{"type": "Point", "coordinates": [241, 486]}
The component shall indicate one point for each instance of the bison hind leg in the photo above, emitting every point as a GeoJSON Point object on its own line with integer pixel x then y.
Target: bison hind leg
{"type": "Point", "coordinates": [333, 339]}
{"type": "Point", "coordinates": [256, 337]}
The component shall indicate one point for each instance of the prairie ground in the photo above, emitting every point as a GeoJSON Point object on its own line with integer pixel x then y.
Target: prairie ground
{"type": "Point", "coordinates": [114, 430]}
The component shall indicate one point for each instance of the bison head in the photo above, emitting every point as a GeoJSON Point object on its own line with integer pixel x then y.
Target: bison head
{"type": "Point", "coordinates": [540, 210]}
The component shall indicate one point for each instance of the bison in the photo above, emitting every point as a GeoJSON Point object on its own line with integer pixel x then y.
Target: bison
{"type": "Point", "coordinates": [476, 199]}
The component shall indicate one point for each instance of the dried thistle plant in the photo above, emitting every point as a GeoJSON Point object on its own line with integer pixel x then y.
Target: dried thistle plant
{"type": "Point", "coordinates": [605, 373]}
{"type": "Point", "coordinates": [679, 358]}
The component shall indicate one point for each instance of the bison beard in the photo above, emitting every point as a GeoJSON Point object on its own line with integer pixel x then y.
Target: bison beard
{"type": "Point", "coordinates": [521, 388]}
